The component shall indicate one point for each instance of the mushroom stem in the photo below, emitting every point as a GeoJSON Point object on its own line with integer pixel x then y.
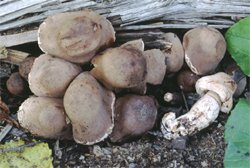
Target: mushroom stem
{"type": "Point", "coordinates": [216, 91]}
{"type": "Point", "coordinates": [200, 116]}
{"type": "Point", "coordinates": [173, 98]}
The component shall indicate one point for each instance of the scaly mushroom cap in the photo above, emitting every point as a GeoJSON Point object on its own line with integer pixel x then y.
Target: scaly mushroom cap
{"type": "Point", "coordinates": [134, 116]}
{"type": "Point", "coordinates": [120, 67]}
{"type": "Point", "coordinates": [25, 66]}
{"type": "Point", "coordinates": [50, 76]}
{"type": "Point", "coordinates": [221, 84]}
{"type": "Point", "coordinates": [89, 107]}
{"type": "Point", "coordinates": [175, 54]}
{"type": "Point", "coordinates": [44, 117]}
{"type": "Point", "coordinates": [156, 66]}
{"type": "Point", "coordinates": [75, 36]}
{"type": "Point", "coordinates": [204, 49]}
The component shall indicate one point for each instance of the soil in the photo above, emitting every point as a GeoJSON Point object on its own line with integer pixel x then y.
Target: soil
{"type": "Point", "coordinates": [205, 149]}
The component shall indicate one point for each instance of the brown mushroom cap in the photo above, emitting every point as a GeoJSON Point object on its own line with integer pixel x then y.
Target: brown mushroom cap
{"type": "Point", "coordinates": [134, 116]}
{"type": "Point", "coordinates": [50, 76]}
{"type": "Point", "coordinates": [44, 117]}
{"type": "Point", "coordinates": [175, 54]}
{"type": "Point", "coordinates": [186, 80]}
{"type": "Point", "coordinates": [120, 67]}
{"type": "Point", "coordinates": [16, 85]}
{"type": "Point", "coordinates": [204, 49]}
{"type": "Point", "coordinates": [89, 107]}
{"type": "Point", "coordinates": [25, 67]}
{"type": "Point", "coordinates": [138, 44]}
{"type": "Point", "coordinates": [156, 66]}
{"type": "Point", "coordinates": [75, 36]}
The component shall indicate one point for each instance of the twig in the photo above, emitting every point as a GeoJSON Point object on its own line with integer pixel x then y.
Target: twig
{"type": "Point", "coordinates": [185, 101]}
{"type": "Point", "coordinates": [5, 131]}
{"type": "Point", "coordinates": [18, 148]}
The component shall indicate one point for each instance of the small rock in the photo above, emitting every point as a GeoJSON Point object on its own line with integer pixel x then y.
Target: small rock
{"type": "Point", "coordinates": [204, 164]}
{"type": "Point", "coordinates": [156, 147]}
{"type": "Point", "coordinates": [97, 151]}
{"type": "Point", "coordinates": [219, 125]}
{"type": "Point", "coordinates": [156, 159]}
{"type": "Point", "coordinates": [130, 159]}
{"type": "Point", "coordinates": [191, 158]}
{"type": "Point", "coordinates": [107, 151]}
{"type": "Point", "coordinates": [179, 143]}
{"type": "Point", "coordinates": [132, 165]}
{"type": "Point", "coordinates": [81, 157]}
{"type": "Point", "coordinates": [114, 150]}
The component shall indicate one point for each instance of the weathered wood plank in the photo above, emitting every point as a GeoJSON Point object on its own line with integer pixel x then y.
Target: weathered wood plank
{"type": "Point", "coordinates": [17, 39]}
{"type": "Point", "coordinates": [125, 15]}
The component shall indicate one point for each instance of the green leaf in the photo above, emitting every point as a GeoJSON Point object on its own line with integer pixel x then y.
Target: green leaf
{"type": "Point", "coordinates": [237, 136]}
{"type": "Point", "coordinates": [38, 156]}
{"type": "Point", "coordinates": [238, 44]}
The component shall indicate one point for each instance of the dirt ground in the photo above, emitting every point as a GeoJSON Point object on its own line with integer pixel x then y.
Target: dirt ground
{"type": "Point", "coordinates": [205, 149]}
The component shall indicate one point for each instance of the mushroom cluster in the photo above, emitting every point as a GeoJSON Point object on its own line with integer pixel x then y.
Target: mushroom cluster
{"type": "Point", "coordinates": [85, 105]}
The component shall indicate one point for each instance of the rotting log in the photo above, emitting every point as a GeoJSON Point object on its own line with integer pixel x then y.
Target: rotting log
{"type": "Point", "coordinates": [128, 16]}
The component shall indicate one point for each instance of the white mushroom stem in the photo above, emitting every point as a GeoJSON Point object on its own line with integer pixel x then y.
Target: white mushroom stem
{"type": "Point", "coordinates": [216, 91]}
{"type": "Point", "coordinates": [201, 115]}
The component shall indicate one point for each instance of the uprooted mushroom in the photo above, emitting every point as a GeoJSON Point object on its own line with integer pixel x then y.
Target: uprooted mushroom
{"type": "Point", "coordinates": [216, 95]}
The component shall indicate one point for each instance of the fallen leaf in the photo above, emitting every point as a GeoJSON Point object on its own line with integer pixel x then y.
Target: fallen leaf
{"type": "Point", "coordinates": [38, 156]}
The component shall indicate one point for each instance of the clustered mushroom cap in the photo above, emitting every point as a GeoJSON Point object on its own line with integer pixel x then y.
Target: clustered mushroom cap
{"type": "Point", "coordinates": [44, 117]}
{"type": "Point", "coordinates": [25, 67]}
{"type": "Point", "coordinates": [75, 36]}
{"type": "Point", "coordinates": [89, 107]}
{"type": "Point", "coordinates": [138, 44]}
{"type": "Point", "coordinates": [134, 115]}
{"type": "Point", "coordinates": [174, 54]}
{"type": "Point", "coordinates": [50, 76]}
{"type": "Point", "coordinates": [120, 67]}
{"type": "Point", "coordinates": [204, 49]}
{"type": "Point", "coordinates": [221, 84]}
{"type": "Point", "coordinates": [16, 84]}
{"type": "Point", "coordinates": [186, 80]}
{"type": "Point", "coordinates": [156, 66]}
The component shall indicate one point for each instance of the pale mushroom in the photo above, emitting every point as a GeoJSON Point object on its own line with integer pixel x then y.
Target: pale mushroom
{"type": "Point", "coordinates": [204, 49]}
{"type": "Point", "coordinates": [50, 76]}
{"type": "Point", "coordinates": [174, 54]}
{"type": "Point", "coordinates": [134, 116]}
{"type": "Point", "coordinates": [44, 117]}
{"type": "Point", "coordinates": [75, 36]}
{"type": "Point", "coordinates": [216, 91]}
{"type": "Point", "coordinates": [90, 108]}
